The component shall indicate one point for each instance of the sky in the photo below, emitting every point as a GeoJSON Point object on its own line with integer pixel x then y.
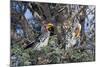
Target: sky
{"type": "Point", "coordinates": [28, 14]}
{"type": "Point", "coordinates": [88, 20]}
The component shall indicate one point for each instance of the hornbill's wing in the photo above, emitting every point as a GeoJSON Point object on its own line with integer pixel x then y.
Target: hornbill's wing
{"type": "Point", "coordinates": [32, 43]}
{"type": "Point", "coordinates": [40, 41]}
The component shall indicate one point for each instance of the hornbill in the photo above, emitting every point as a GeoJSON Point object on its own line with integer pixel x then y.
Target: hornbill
{"type": "Point", "coordinates": [74, 41]}
{"type": "Point", "coordinates": [42, 39]}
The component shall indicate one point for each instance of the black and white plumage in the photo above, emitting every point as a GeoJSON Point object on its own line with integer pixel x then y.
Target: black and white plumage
{"type": "Point", "coordinates": [43, 41]}
{"type": "Point", "coordinates": [40, 41]}
{"type": "Point", "coordinates": [72, 41]}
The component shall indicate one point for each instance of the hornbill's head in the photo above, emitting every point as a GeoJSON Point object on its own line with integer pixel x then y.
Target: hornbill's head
{"type": "Point", "coordinates": [49, 27]}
